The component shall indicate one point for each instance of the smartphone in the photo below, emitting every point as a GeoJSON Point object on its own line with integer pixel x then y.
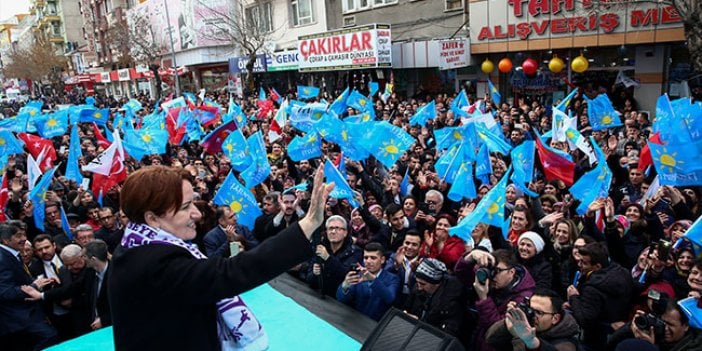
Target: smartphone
{"type": "Point", "coordinates": [518, 126]}
{"type": "Point", "coordinates": [234, 248]}
{"type": "Point", "coordinates": [62, 149]}
{"type": "Point", "coordinates": [85, 184]}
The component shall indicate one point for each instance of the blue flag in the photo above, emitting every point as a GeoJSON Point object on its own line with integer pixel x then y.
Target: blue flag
{"type": "Point", "coordinates": [339, 104]}
{"type": "Point", "coordinates": [523, 164]}
{"type": "Point", "coordinates": [678, 164]}
{"type": "Point", "coordinates": [74, 153]}
{"type": "Point", "coordinates": [239, 199]}
{"type": "Point", "coordinates": [307, 92]}
{"type": "Point", "coordinates": [458, 103]}
{"type": "Point", "coordinates": [92, 115]}
{"type": "Point", "coordinates": [373, 88]}
{"type": "Point", "coordinates": [305, 147]}
{"type": "Point", "coordinates": [690, 114]}
{"type": "Point", "coordinates": [190, 96]}
{"type": "Point", "coordinates": [694, 233]}
{"type": "Point", "coordinates": [448, 136]}
{"type": "Point", "coordinates": [563, 105]}
{"type": "Point", "coordinates": [493, 142]}
{"type": "Point", "coordinates": [259, 169]}
{"type": "Point", "coordinates": [404, 185]}
{"type": "Point", "coordinates": [66, 226]}
{"type": "Point", "coordinates": [463, 186]}
{"type": "Point", "coordinates": [52, 124]}
{"type": "Point", "coordinates": [38, 196]}
{"type": "Point", "coordinates": [602, 114]}
{"type": "Point", "coordinates": [483, 165]}
{"type": "Point", "coordinates": [424, 114]}
{"type": "Point", "coordinates": [359, 102]}
{"type": "Point", "coordinates": [448, 165]}
{"type": "Point", "coordinates": [494, 93]}
{"type": "Point", "coordinates": [146, 142]}
{"type": "Point", "coordinates": [490, 210]}
{"type": "Point", "coordinates": [387, 143]}
{"type": "Point", "coordinates": [132, 105]}
{"type": "Point", "coordinates": [593, 184]}
{"type": "Point", "coordinates": [236, 150]}
{"type": "Point", "coordinates": [9, 144]}
{"type": "Point", "coordinates": [341, 190]}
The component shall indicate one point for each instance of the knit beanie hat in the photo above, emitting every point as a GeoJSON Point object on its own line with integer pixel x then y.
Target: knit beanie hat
{"type": "Point", "coordinates": [535, 239]}
{"type": "Point", "coordinates": [624, 222]}
{"type": "Point", "coordinates": [431, 270]}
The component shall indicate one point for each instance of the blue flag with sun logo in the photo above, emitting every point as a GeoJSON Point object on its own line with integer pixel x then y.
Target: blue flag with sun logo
{"type": "Point", "coordinates": [259, 169]}
{"type": "Point", "coordinates": [305, 147]}
{"type": "Point", "coordinates": [494, 142]}
{"type": "Point", "coordinates": [359, 102]}
{"type": "Point", "coordinates": [52, 124]}
{"type": "Point", "coordinates": [38, 196]}
{"type": "Point", "coordinates": [563, 105]}
{"type": "Point", "coordinates": [9, 144]}
{"type": "Point", "coordinates": [483, 165]}
{"type": "Point", "coordinates": [90, 115]}
{"type": "Point", "coordinates": [463, 186]}
{"type": "Point", "coordinates": [490, 210]}
{"type": "Point", "coordinates": [678, 164]}
{"type": "Point", "coordinates": [448, 165]}
{"type": "Point", "coordinates": [239, 199]}
{"type": "Point", "coordinates": [236, 150]}
{"type": "Point", "coordinates": [602, 114]}
{"type": "Point", "coordinates": [338, 106]}
{"type": "Point", "coordinates": [307, 92]}
{"type": "Point", "coordinates": [593, 184]}
{"type": "Point", "coordinates": [387, 142]}
{"type": "Point", "coordinates": [460, 101]}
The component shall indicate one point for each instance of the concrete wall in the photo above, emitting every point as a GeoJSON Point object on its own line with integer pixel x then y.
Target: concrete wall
{"type": "Point", "coordinates": [649, 68]}
{"type": "Point", "coordinates": [72, 21]}
{"type": "Point", "coordinates": [409, 19]}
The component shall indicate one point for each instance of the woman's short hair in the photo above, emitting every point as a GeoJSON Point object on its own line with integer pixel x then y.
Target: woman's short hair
{"type": "Point", "coordinates": [158, 189]}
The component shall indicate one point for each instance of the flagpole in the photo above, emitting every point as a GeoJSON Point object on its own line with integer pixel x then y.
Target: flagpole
{"type": "Point", "coordinates": [173, 57]}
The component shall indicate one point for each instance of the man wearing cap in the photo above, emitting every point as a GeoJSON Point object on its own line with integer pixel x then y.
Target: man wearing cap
{"type": "Point", "coordinates": [438, 298]}
{"type": "Point", "coordinates": [530, 248]}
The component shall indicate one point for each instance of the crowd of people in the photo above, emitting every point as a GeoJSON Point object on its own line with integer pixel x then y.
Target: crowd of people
{"type": "Point", "coordinates": [554, 280]}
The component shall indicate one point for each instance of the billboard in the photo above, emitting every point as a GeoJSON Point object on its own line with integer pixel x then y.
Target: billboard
{"type": "Point", "coordinates": [366, 46]}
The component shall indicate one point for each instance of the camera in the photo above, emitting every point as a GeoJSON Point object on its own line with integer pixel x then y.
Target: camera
{"type": "Point", "coordinates": [528, 311]}
{"type": "Point", "coordinates": [483, 273]}
{"type": "Point", "coordinates": [659, 301]}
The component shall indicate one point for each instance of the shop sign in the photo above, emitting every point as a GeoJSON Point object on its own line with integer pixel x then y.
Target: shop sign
{"type": "Point", "coordinates": [525, 19]}
{"type": "Point", "coordinates": [104, 77]}
{"type": "Point", "coordinates": [283, 61]}
{"type": "Point", "coordinates": [123, 74]}
{"type": "Point", "coordinates": [453, 53]}
{"type": "Point", "coordinates": [238, 64]}
{"type": "Point", "coordinates": [542, 83]}
{"type": "Point", "coordinates": [359, 47]}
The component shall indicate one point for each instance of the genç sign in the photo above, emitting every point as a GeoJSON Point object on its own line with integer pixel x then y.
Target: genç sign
{"type": "Point", "coordinates": [359, 47]}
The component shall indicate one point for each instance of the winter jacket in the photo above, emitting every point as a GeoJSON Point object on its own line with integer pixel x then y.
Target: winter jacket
{"type": "Point", "coordinates": [561, 337]}
{"type": "Point", "coordinates": [605, 297]}
{"type": "Point", "coordinates": [453, 250]}
{"type": "Point", "coordinates": [445, 309]}
{"type": "Point", "coordinates": [541, 270]}
{"type": "Point", "coordinates": [335, 268]}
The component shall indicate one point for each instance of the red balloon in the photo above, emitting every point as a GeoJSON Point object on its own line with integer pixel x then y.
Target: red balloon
{"type": "Point", "coordinates": [529, 66]}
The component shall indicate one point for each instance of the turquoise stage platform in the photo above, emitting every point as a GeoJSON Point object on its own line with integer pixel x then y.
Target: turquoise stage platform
{"type": "Point", "coordinates": [289, 325]}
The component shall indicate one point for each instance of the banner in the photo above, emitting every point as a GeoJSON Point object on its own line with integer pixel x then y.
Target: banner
{"type": "Point", "coordinates": [359, 47]}
{"type": "Point", "coordinates": [283, 61]}
{"type": "Point", "coordinates": [453, 54]}
{"type": "Point", "coordinates": [238, 64]}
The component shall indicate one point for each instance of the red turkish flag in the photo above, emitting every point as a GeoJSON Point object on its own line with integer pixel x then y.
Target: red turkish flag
{"type": "Point", "coordinates": [555, 166]}
{"type": "Point", "coordinates": [175, 134]}
{"type": "Point", "coordinates": [646, 159]}
{"type": "Point", "coordinates": [3, 198]}
{"type": "Point", "coordinates": [101, 140]}
{"type": "Point", "coordinates": [35, 145]}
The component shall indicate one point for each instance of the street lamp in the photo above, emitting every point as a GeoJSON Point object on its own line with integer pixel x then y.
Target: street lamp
{"type": "Point", "coordinates": [173, 57]}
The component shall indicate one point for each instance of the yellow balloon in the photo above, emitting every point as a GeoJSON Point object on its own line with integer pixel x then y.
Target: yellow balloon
{"type": "Point", "coordinates": [579, 64]}
{"type": "Point", "coordinates": [487, 66]}
{"type": "Point", "coordinates": [556, 64]}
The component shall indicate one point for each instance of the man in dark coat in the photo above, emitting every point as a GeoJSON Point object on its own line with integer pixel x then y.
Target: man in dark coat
{"type": "Point", "coordinates": [22, 323]}
{"type": "Point", "coordinates": [438, 299]}
{"type": "Point", "coordinates": [602, 295]}
{"type": "Point", "coordinates": [335, 256]}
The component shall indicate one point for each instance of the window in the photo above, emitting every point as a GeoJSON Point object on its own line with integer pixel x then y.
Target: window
{"type": "Point", "coordinates": [259, 16]}
{"type": "Point", "coordinates": [302, 12]}
{"type": "Point", "coordinates": [454, 5]}
{"type": "Point", "coordinates": [359, 5]}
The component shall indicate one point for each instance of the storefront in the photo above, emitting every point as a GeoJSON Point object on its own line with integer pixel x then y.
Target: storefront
{"type": "Point", "coordinates": [642, 40]}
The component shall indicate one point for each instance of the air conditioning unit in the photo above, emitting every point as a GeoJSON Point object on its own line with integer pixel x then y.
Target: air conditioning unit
{"type": "Point", "coordinates": [349, 21]}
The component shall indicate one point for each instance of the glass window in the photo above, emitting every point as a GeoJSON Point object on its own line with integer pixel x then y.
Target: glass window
{"type": "Point", "coordinates": [454, 5]}
{"type": "Point", "coordinates": [260, 16]}
{"type": "Point", "coordinates": [302, 12]}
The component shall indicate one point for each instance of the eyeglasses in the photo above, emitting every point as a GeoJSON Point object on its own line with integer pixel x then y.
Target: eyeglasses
{"type": "Point", "coordinates": [332, 229]}
{"type": "Point", "coordinates": [430, 202]}
{"type": "Point", "coordinates": [498, 270]}
{"type": "Point", "coordinates": [542, 313]}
